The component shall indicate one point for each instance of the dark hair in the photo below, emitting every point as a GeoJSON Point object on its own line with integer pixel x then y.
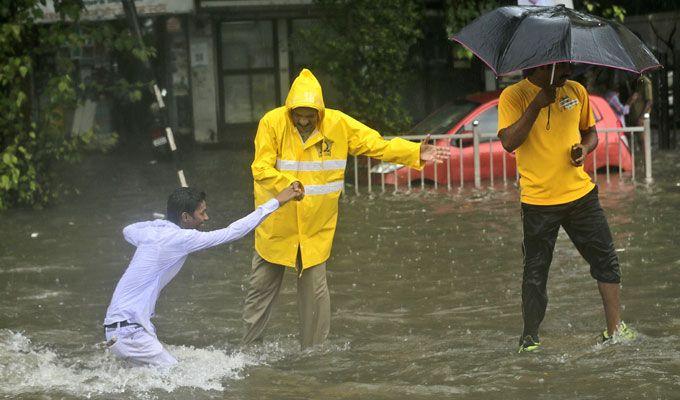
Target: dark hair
{"type": "Point", "coordinates": [184, 199]}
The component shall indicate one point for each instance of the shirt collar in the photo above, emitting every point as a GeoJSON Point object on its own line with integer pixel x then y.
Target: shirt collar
{"type": "Point", "coordinates": [164, 223]}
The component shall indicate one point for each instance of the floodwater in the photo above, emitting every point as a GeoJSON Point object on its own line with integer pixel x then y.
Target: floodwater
{"type": "Point", "coordinates": [425, 294]}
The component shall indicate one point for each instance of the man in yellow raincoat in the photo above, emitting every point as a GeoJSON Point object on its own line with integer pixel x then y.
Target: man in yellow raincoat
{"type": "Point", "coordinates": [305, 144]}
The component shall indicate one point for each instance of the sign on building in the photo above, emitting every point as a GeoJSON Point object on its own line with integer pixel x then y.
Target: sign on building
{"type": "Point", "coordinates": [550, 3]}
{"type": "Point", "coordinates": [98, 10]}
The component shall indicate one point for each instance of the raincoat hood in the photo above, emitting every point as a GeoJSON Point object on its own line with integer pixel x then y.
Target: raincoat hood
{"type": "Point", "coordinates": [306, 92]}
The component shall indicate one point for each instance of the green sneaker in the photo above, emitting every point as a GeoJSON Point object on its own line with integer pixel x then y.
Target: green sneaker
{"type": "Point", "coordinates": [529, 343]}
{"type": "Point", "coordinates": [623, 334]}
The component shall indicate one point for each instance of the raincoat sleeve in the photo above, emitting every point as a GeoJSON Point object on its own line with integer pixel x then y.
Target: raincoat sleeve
{"type": "Point", "coordinates": [363, 140]}
{"type": "Point", "coordinates": [194, 240]}
{"type": "Point", "coordinates": [264, 166]}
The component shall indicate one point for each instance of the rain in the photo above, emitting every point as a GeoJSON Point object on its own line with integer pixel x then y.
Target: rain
{"type": "Point", "coordinates": [425, 282]}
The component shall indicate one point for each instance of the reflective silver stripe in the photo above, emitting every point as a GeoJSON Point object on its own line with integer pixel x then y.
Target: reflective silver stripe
{"type": "Point", "coordinates": [325, 165]}
{"type": "Point", "coordinates": [324, 189]}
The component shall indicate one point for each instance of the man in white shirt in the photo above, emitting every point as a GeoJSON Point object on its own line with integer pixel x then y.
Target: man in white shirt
{"type": "Point", "coordinates": [162, 248]}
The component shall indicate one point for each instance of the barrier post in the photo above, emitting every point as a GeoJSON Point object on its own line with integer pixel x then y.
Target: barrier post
{"type": "Point", "coordinates": [647, 138]}
{"type": "Point", "coordinates": [475, 154]}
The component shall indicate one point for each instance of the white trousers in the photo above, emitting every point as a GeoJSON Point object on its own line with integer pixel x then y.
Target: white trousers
{"type": "Point", "coordinates": [134, 344]}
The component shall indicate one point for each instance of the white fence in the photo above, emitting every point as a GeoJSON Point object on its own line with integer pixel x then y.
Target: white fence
{"type": "Point", "coordinates": [501, 166]}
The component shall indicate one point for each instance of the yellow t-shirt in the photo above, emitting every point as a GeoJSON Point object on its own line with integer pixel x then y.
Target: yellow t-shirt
{"type": "Point", "coordinates": [547, 176]}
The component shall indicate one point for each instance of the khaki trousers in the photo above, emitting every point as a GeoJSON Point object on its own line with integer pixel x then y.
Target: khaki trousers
{"type": "Point", "coordinates": [313, 300]}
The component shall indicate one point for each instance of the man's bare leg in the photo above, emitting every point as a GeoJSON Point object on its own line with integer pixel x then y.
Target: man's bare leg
{"type": "Point", "coordinates": [612, 304]}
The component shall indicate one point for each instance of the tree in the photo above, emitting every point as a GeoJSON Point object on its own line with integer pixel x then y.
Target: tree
{"type": "Point", "coordinates": [461, 12]}
{"type": "Point", "coordinates": [607, 8]}
{"type": "Point", "coordinates": [38, 91]}
{"type": "Point", "coordinates": [363, 46]}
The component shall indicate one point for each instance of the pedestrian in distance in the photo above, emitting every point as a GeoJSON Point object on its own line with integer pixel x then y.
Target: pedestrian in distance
{"type": "Point", "coordinates": [640, 106]}
{"type": "Point", "coordinates": [162, 247]}
{"type": "Point", "coordinates": [613, 97]}
{"type": "Point", "coordinates": [547, 121]}
{"type": "Point", "coordinates": [305, 144]}
{"type": "Point", "coordinates": [643, 99]}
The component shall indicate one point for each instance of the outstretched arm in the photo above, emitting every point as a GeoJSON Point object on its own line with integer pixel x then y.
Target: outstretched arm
{"type": "Point", "coordinates": [195, 240]}
{"type": "Point", "coordinates": [363, 140]}
{"type": "Point", "coordinates": [429, 152]}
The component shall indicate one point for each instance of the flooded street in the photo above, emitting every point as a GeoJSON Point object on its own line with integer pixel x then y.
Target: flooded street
{"type": "Point", "coordinates": [425, 296]}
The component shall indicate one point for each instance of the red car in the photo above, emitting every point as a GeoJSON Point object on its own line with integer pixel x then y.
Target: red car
{"type": "Point", "coordinates": [458, 117]}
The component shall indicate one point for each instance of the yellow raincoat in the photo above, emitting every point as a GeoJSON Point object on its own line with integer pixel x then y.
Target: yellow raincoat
{"type": "Point", "coordinates": [282, 158]}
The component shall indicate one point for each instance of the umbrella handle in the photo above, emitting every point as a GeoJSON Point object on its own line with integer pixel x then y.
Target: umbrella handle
{"type": "Point", "coordinates": [552, 79]}
{"type": "Point", "coordinates": [552, 74]}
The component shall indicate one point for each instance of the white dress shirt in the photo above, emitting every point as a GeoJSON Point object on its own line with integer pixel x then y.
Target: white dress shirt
{"type": "Point", "coordinates": [162, 248]}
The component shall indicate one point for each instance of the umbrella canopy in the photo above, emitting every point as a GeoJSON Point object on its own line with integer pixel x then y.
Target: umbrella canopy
{"type": "Point", "coordinates": [510, 39]}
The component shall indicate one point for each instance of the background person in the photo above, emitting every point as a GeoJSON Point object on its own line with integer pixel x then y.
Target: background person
{"type": "Point", "coordinates": [640, 105]}
{"type": "Point", "coordinates": [620, 109]}
{"type": "Point", "coordinates": [643, 101]}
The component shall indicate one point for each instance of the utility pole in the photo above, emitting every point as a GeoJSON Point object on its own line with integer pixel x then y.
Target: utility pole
{"type": "Point", "coordinates": [133, 22]}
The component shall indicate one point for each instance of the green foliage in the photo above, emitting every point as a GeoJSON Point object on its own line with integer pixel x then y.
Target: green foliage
{"type": "Point", "coordinates": [38, 92]}
{"type": "Point", "coordinates": [363, 46]}
{"type": "Point", "coordinates": [617, 9]}
{"type": "Point", "coordinates": [603, 9]}
{"type": "Point", "coordinates": [460, 13]}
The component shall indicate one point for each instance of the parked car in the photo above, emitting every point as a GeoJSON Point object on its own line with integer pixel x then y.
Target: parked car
{"type": "Point", "coordinates": [482, 109]}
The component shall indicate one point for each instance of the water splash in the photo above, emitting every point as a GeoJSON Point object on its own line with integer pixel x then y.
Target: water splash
{"type": "Point", "coordinates": [40, 269]}
{"type": "Point", "coordinates": [49, 294]}
{"type": "Point", "coordinates": [26, 367]}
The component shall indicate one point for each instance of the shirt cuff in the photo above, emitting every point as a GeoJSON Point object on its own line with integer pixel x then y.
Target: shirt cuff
{"type": "Point", "coordinates": [270, 206]}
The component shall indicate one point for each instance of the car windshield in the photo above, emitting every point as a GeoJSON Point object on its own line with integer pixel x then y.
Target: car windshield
{"type": "Point", "coordinates": [442, 120]}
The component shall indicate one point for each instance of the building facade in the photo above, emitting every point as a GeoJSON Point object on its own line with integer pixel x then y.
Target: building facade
{"type": "Point", "coordinates": [241, 63]}
{"type": "Point", "coordinates": [225, 63]}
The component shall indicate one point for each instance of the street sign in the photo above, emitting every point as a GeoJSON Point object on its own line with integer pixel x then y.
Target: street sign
{"type": "Point", "coordinates": [99, 10]}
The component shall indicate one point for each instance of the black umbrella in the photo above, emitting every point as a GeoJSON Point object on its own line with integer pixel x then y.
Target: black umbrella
{"type": "Point", "coordinates": [510, 39]}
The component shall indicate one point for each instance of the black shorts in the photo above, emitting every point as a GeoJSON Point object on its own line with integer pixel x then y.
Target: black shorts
{"type": "Point", "coordinates": [585, 223]}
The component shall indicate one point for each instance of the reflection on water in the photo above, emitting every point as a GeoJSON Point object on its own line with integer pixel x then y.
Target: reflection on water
{"type": "Point", "coordinates": [425, 297]}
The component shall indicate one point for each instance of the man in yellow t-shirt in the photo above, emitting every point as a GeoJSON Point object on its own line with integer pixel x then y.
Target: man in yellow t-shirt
{"type": "Point", "coordinates": [551, 129]}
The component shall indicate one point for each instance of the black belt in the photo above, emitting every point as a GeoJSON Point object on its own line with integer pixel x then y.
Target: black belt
{"type": "Point", "coordinates": [120, 324]}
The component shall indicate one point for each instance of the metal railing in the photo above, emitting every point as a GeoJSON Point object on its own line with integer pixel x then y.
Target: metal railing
{"type": "Point", "coordinates": [395, 175]}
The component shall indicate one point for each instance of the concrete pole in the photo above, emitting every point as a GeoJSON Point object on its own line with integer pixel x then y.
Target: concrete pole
{"type": "Point", "coordinates": [647, 139]}
{"type": "Point", "coordinates": [133, 23]}
{"type": "Point", "coordinates": [475, 154]}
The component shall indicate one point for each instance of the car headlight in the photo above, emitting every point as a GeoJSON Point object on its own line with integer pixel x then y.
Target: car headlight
{"type": "Point", "coordinates": [385, 168]}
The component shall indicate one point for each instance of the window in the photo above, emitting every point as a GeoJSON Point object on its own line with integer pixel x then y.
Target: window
{"type": "Point", "coordinates": [488, 122]}
{"type": "Point", "coordinates": [249, 87]}
{"type": "Point", "coordinates": [247, 45]}
{"type": "Point", "coordinates": [445, 118]}
{"type": "Point", "coordinates": [488, 125]}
